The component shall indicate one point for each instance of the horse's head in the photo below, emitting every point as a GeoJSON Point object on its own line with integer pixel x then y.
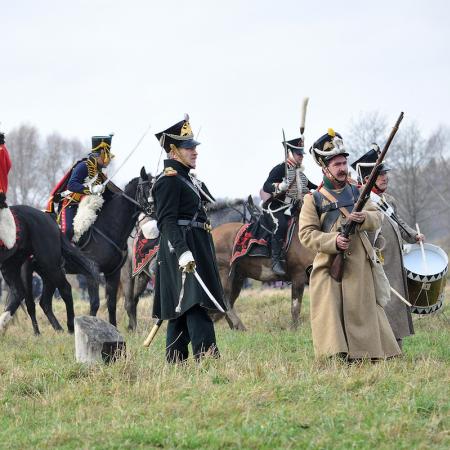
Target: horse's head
{"type": "Point", "coordinates": [139, 189]}
{"type": "Point", "coordinates": [144, 191]}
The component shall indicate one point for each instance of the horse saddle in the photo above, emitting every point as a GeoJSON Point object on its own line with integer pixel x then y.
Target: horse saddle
{"type": "Point", "coordinates": [254, 239]}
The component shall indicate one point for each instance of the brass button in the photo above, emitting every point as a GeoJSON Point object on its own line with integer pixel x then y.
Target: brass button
{"type": "Point", "coordinates": [349, 253]}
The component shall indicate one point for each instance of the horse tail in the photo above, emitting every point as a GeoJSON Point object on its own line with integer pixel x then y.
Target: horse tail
{"type": "Point", "coordinates": [76, 261]}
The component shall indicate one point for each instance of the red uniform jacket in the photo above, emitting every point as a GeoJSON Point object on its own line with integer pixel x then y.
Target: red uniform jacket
{"type": "Point", "coordinates": [5, 165]}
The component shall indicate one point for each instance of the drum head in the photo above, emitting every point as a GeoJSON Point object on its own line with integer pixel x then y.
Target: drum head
{"type": "Point", "coordinates": [436, 260]}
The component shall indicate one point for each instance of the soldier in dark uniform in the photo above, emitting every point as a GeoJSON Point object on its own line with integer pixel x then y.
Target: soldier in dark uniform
{"type": "Point", "coordinates": [84, 178]}
{"type": "Point", "coordinates": [185, 244]}
{"type": "Point", "coordinates": [286, 185]}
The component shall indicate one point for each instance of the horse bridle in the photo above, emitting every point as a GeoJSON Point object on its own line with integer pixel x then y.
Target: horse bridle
{"type": "Point", "coordinates": [141, 201]}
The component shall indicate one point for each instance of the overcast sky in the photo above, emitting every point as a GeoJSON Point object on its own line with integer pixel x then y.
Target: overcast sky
{"type": "Point", "coordinates": [239, 68]}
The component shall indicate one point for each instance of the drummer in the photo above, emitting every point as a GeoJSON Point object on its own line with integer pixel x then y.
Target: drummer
{"type": "Point", "coordinates": [388, 243]}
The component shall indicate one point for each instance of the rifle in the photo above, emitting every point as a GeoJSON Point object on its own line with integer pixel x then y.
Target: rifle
{"type": "Point", "coordinates": [337, 266]}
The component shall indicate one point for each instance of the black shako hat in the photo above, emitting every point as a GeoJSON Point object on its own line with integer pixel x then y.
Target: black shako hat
{"type": "Point", "coordinates": [296, 145]}
{"type": "Point", "coordinates": [98, 142]}
{"type": "Point", "coordinates": [365, 164]}
{"type": "Point", "coordinates": [180, 135]}
{"type": "Point", "coordinates": [327, 147]}
{"type": "Point", "coordinates": [101, 145]}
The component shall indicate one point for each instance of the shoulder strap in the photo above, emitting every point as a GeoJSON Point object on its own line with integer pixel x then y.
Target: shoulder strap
{"type": "Point", "coordinates": [329, 196]}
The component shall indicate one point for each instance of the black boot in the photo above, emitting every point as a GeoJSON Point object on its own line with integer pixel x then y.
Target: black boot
{"type": "Point", "coordinates": [278, 263]}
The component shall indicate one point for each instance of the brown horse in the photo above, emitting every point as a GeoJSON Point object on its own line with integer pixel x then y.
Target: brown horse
{"type": "Point", "coordinates": [298, 259]}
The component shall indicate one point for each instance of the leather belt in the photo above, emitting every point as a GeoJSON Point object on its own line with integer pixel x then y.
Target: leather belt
{"type": "Point", "coordinates": [202, 225]}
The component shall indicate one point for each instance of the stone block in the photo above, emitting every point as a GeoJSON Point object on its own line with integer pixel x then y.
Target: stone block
{"type": "Point", "coordinates": [97, 340]}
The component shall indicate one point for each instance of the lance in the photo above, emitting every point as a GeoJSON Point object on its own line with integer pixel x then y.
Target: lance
{"type": "Point", "coordinates": [302, 122]}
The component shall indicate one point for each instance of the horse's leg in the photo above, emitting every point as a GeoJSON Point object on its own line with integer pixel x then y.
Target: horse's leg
{"type": "Point", "coordinates": [45, 302]}
{"type": "Point", "coordinates": [112, 284]}
{"type": "Point", "coordinates": [11, 274]}
{"type": "Point", "coordinates": [128, 283]}
{"type": "Point", "coordinates": [27, 278]}
{"type": "Point", "coordinates": [232, 316]}
{"type": "Point", "coordinates": [140, 283]}
{"type": "Point", "coordinates": [65, 289]}
{"type": "Point", "coordinates": [298, 286]}
{"type": "Point", "coordinates": [94, 297]}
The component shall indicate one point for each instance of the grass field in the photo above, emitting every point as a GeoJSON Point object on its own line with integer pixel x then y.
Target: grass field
{"type": "Point", "coordinates": [266, 391]}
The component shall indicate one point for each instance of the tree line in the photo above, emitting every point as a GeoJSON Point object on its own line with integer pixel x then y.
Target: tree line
{"type": "Point", "coordinates": [420, 170]}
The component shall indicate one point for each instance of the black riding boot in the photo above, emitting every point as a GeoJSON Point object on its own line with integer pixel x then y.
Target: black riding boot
{"type": "Point", "coordinates": [278, 263]}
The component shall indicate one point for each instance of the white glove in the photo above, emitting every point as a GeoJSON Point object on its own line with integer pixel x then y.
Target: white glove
{"type": "Point", "coordinates": [283, 185]}
{"type": "Point", "coordinates": [97, 189]}
{"type": "Point", "coordinates": [187, 262]}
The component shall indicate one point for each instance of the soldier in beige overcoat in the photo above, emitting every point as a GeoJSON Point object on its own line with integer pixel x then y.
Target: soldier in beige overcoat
{"type": "Point", "coordinates": [345, 317]}
{"type": "Point", "coordinates": [389, 245]}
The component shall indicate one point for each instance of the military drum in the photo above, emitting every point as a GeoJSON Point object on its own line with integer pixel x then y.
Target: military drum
{"type": "Point", "coordinates": [426, 277]}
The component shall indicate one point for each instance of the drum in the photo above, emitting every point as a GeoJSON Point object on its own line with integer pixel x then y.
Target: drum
{"type": "Point", "coordinates": [426, 279]}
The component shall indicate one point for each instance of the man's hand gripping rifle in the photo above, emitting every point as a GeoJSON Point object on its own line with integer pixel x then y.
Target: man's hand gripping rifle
{"type": "Point", "coordinates": [337, 266]}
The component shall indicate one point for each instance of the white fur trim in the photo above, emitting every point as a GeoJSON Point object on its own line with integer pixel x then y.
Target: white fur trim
{"type": "Point", "coordinates": [4, 320]}
{"type": "Point", "coordinates": [150, 229]}
{"type": "Point", "coordinates": [86, 214]}
{"type": "Point", "coordinates": [7, 228]}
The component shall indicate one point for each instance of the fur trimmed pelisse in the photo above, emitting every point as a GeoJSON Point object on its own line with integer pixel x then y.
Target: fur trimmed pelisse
{"type": "Point", "coordinates": [86, 215]}
{"type": "Point", "coordinates": [7, 228]}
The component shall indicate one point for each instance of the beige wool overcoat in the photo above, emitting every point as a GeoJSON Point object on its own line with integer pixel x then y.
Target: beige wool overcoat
{"type": "Point", "coordinates": [345, 318]}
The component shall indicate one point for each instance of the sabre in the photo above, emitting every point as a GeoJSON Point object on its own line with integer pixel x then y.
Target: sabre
{"type": "Point", "coordinates": [286, 155]}
{"type": "Point", "coordinates": [128, 157]}
{"type": "Point", "coordinates": [208, 293]}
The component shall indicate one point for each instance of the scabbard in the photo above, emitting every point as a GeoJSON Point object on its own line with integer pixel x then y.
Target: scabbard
{"type": "Point", "coordinates": [152, 333]}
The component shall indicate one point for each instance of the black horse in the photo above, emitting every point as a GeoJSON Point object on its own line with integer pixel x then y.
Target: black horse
{"type": "Point", "coordinates": [220, 212]}
{"type": "Point", "coordinates": [105, 243]}
{"type": "Point", "coordinates": [38, 236]}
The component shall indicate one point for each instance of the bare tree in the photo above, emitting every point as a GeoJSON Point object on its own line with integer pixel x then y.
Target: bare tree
{"type": "Point", "coordinates": [420, 169]}
{"type": "Point", "coordinates": [59, 154]}
{"type": "Point", "coordinates": [368, 128]}
{"type": "Point", "coordinates": [26, 179]}
{"type": "Point", "coordinates": [38, 164]}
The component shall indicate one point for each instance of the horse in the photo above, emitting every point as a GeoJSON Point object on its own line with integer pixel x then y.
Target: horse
{"type": "Point", "coordinates": [298, 259]}
{"type": "Point", "coordinates": [222, 211]}
{"type": "Point", "coordinates": [39, 236]}
{"type": "Point", "coordinates": [105, 243]}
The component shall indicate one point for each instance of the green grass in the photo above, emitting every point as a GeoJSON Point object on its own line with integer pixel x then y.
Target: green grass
{"type": "Point", "coordinates": [266, 391]}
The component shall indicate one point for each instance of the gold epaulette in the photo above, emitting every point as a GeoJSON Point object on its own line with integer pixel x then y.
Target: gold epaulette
{"type": "Point", "coordinates": [170, 172]}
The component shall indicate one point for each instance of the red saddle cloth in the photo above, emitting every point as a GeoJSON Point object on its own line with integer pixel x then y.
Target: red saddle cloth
{"type": "Point", "coordinates": [253, 239]}
{"type": "Point", "coordinates": [144, 250]}
{"type": "Point", "coordinates": [246, 239]}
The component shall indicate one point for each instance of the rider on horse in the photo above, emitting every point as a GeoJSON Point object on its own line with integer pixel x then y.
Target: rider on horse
{"type": "Point", "coordinates": [7, 224]}
{"type": "Point", "coordinates": [84, 178]}
{"type": "Point", "coordinates": [286, 185]}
